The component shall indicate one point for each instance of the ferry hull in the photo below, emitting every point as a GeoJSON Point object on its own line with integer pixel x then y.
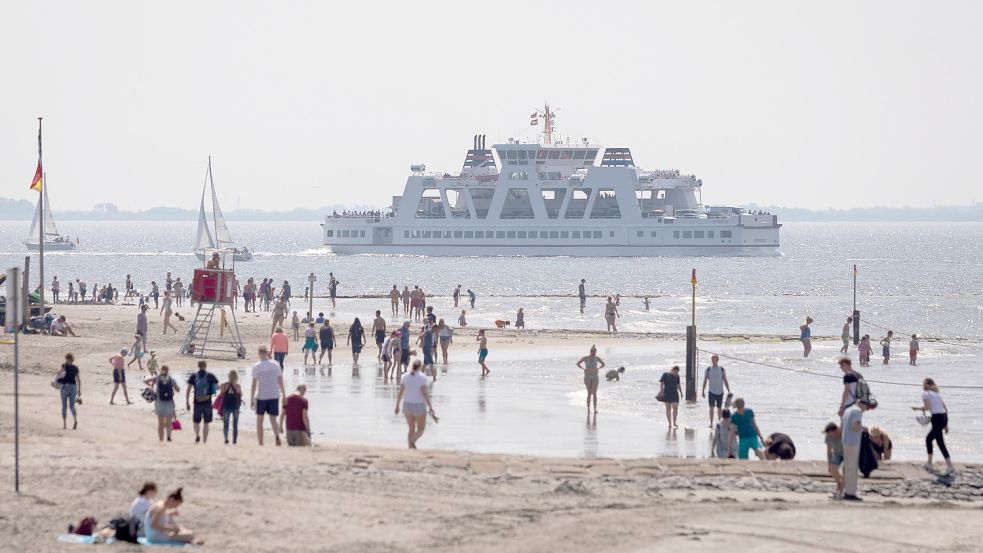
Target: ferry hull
{"type": "Point", "coordinates": [558, 251]}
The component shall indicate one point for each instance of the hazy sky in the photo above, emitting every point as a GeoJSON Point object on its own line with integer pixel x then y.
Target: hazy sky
{"type": "Point", "coordinates": [310, 103]}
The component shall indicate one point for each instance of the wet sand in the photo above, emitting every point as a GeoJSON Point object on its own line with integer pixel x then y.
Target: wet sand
{"type": "Point", "coordinates": [350, 497]}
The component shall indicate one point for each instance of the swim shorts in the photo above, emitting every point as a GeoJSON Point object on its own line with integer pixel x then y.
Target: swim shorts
{"type": "Point", "coordinates": [716, 400]}
{"type": "Point", "coordinates": [202, 411]}
{"type": "Point", "coordinates": [482, 354]}
{"type": "Point", "coordinates": [268, 406]}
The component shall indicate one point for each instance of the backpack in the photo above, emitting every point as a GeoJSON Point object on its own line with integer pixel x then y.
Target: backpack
{"type": "Point", "coordinates": [203, 390]}
{"type": "Point", "coordinates": [84, 528]}
{"type": "Point", "coordinates": [127, 528]}
{"type": "Point", "coordinates": [165, 392]}
{"type": "Point", "coordinates": [862, 392]}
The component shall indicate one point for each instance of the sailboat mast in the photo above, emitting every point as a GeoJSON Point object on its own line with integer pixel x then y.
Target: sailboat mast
{"type": "Point", "coordinates": [44, 182]}
{"type": "Point", "coordinates": [211, 183]}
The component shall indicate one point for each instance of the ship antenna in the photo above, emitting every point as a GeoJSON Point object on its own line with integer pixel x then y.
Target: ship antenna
{"type": "Point", "coordinates": [549, 126]}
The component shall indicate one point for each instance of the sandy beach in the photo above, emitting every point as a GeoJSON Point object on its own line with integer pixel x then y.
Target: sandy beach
{"type": "Point", "coordinates": [357, 498]}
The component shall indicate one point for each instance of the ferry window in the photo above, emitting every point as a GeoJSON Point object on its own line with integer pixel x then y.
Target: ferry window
{"type": "Point", "coordinates": [344, 234]}
{"type": "Point", "coordinates": [522, 234]}
{"type": "Point", "coordinates": [579, 154]}
{"type": "Point", "coordinates": [522, 154]}
{"type": "Point", "coordinates": [541, 154]}
{"type": "Point", "coordinates": [532, 154]}
{"type": "Point", "coordinates": [469, 234]}
{"type": "Point", "coordinates": [564, 234]}
{"type": "Point", "coordinates": [549, 194]}
{"type": "Point", "coordinates": [643, 194]}
{"type": "Point", "coordinates": [652, 234]}
{"type": "Point", "coordinates": [361, 234]}
{"type": "Point", "coordinates": [553, 199]}
{"type": "Point", "coordinates": [437, 236]}
{"type": "Point", "coordinates": [481, 199]}
{"type": "Point", "coordinates": [591, 154]}
{"type": "Point", "coordinates": [329, 233]}
{"type": "Point", "coordinates": [517, 205]}
{"type": "Point", "coordinates": [578, 203]}
{"type": "Point", "coordinates": [543, 234]}
{"type": "Point", "coordinates": [489, 234]}
{"type": "Point", "coordinates": [640, 233]}
{"type": "Point", "coordinates": [510, 234]}
{"type": "Point", "coordinates": [542, 176]}
{"type": "Point", "coordinates": [479, 234]}
{"type": "Point", "coordinates": [709, 234]}
{"type": "Point", "coordinates": [597, 234]}
{"type": "Point", "coordinates": [675, 234]}
{"type": "Point", "coordinates": [605, 205]}
{"type": "Point", "coordinates": [510, 154]}
{"type": "Point", "coordinates": [406, 234]}
{"type": "Point", "coordinates": [576, 234]}
{"type": "Point", "coordinates": [457, 234]}
{"type": "Point", "coordinates": [555, 175]}
{"type": "Point", "coordinates": [611, 234]}
{"type": "Point", "coordinates": [499, 234]}
{"type": "Point", "coordinates": [554, 234]}
{"type": "Point", "coordinates": [426, 234]}
{"type": "Point", "coordinates": [455, 199]}
{"type": "Point", "coordinates": [698, 234]}
{"type": "Point", "coordinates": [661, 195]}
{"type": "Point", "coordinates": [431, 206]}
{"type": "Point", "coordinates": [725, 234]}
{"type": "Point", "coordinates": [586, 235]}
{"type": "Point", "coordinates": [566, 154]}
{"type": "Point", "coordinates": [553, 154]}
{"type": "Point", "coordinates": [687, 234]}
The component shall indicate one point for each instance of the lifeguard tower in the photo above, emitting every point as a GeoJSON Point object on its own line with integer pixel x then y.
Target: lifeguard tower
{"type": "Point", "coordinates": [214, 331]}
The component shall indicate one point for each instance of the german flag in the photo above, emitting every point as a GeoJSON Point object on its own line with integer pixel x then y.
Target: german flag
{"type": "Point", "coordinates": [38, 183]}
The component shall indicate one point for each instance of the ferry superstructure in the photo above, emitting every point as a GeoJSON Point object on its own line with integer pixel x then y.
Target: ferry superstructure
{"type": "Point", "coordinates": [544, 199]}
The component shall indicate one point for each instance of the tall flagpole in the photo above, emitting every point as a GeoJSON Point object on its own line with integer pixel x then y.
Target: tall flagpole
{"type": "Point", "coordinates": [41, 224]}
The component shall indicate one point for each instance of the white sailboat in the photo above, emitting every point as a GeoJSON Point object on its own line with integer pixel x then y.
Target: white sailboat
{"type": "Point", "coordinates": [222, 239]}
{"type": "Point", "coordinates": [52, 240]}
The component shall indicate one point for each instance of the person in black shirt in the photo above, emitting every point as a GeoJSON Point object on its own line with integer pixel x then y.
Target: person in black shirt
{"type": "Point", "coordinates": [71, 390]}
{"type": "Point", "coordinates": [204, 385]}
{"type": "Point", "coordinates": [779, 446]}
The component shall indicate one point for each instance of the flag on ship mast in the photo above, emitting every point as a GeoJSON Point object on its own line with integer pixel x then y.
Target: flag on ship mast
{"type": "Point", "coordinates": [38, 183]}
{"type": "Point", "coordinates": [534, 119]}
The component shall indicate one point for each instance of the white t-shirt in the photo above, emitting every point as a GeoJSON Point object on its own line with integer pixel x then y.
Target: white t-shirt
{"type": "Point", "coordinates": [413, 383]}
{"type": "Point", "coordinates": [716, 380]}
{"type": "Point", "coordinates": [266, 373]}
{"type": "Point", "coordinates": [140, 506]}
{"type": "Point", "coordinates": [57, 326]}
{"type": "Point", "coordinates": [934, 400]}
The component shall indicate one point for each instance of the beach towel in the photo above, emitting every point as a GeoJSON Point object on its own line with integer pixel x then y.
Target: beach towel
{"type": "Point", "coordinates": [144, 541]}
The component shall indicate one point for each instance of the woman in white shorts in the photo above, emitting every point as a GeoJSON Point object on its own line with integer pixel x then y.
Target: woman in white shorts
{"type": "Point", "coordinates": [416, 402]}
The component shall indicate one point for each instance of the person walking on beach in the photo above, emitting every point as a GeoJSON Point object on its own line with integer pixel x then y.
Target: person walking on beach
{"type": "Point", "coordinates": [71, 292]}
{"type": "Point", "coordinates": [333, 289]}
{"type": "Point", "coordinates": [118, 363]}
{"type": "Point", "coordinates": [165, 308]}
{"type": "Point", "coordinates": [846, 336]}
{"type": "Point", "coordinates": [279, 314]}
{"type": "Point", "coordinates": [582, 293]}
{"type": "Point", "coordinates": [851, 380]}
{"type": "Point", "coordinates": [70, 390]}
{"type": "Point", "coordinates": [129, 289]}
{"type": "Point", "coordinates": [913, 351]}
{"type": "Point", "coordinates": [285, 292]}
{"type": "Point", "coordinates": [394, 300]}
{"type": "Point", "coordinates": [310, 342]}
{"type": "Point", "coordinates": [298, 425]}
{"type": "Point", "coordinates": [356, 337]}
{"type": "Point", "coordinates": [457, 295]}
{"type": "Point", "coordinates": [748, 435]}
{"type": "Point", "coordinates": [415, 309]}
{"type": "Point", "coordinates": [82, 286]}
{"type": "Point", "coordinates": [471, 297]}
{"type": "Point", "coordinates": [55, 289]}
{"type": "Point", "coordinates": [461, 320]}
{"type": "Point", "coordinates": [716, 376]}
{"type": "Point", "coordinates": [932, 403]}
{"type": "Point", "coordinates": [142, 325]}
{"type": "Point", "coordinates": [267, 389]}
{"type": "Point", "coordinates": [387, 354]}
{"type": "Point", "coordinates": [295, 326]}
{"type": "Point", "coordinates": [204, 384]}
{"type": "Point", "coordinates": [670, 391]}
{"type": "Point", "coordinates": [426, 342]}
{"type": "Point", "coordinates": [591, 364]}
{"type": "Point", "coordinates": [722, 443]}
{"type": "Point", "coordinates": [886, 346]}
{"type": "Point", "coordinates": [404, 346]}
{"type": "Point", "coordinates": [805, 336]}
{"type": "Point", "coordinates": [136, 352]}
{"type": "Point", "coordinates": [445, 336]}
{"type": "Point", "coordinates": [379, 330]}
{"type": "Point", "coordinates": [852, 427]}
{"type": "Point", "coordinates": [611, 314]}
{"type": "Point", "coordinates": [407, 297]}
{"type": "Point", "coordinates": [326, 336]}
{"type": "Point", "coordinates": [834, 456]}
{"type": "Point", "coordinates": [520, 319]}
{"type": "Point", "coordinates": [646, 302]}
{"type": "Point", "coordinates": [231, 394]}
{"type": "Point", "coordinates": [482, 352]}
{"type": "Point", "coordinates": [178, 292]}
{"type": "Point", "coordinates": [416, 403]}
{"type": "Point", "coordinates": [280, 346]}
{"type": "Point", "coordinates": [164, 388]}
{"type": "Point", "coordinates": [154, 293]}
{"type": "Point", "coordinates": [249, 295]}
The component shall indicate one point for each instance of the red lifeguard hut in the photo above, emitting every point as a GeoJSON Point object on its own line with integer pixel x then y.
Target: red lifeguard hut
{"type": "Point", "coordinates": [212, 331]}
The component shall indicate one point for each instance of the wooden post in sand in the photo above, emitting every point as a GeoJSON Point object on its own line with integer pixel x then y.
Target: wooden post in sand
{"type": "Point", "coordinates": [14, 316]}
{"type": "Point", "coordinates": [856, 312]}
{"type": "Point", "coordinates": [691, 350]}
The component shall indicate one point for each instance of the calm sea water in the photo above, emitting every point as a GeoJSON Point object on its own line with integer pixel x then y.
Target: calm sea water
{"type": "Point", "coordinates": [924, 278]}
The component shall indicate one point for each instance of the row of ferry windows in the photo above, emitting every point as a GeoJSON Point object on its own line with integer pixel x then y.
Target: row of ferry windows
{"type": "Point", "coordinates": [558, 153]}
{"type": "Point", "coordinates": [696, 234]}
{"type": "Point", "coordinates": [347, 233]}
{"type": "Point", "coordinates": [532, 234]}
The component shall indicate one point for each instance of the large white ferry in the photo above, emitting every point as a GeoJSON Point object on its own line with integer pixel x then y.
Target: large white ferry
{"type": "Point", "coordinates": [552, 198]}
